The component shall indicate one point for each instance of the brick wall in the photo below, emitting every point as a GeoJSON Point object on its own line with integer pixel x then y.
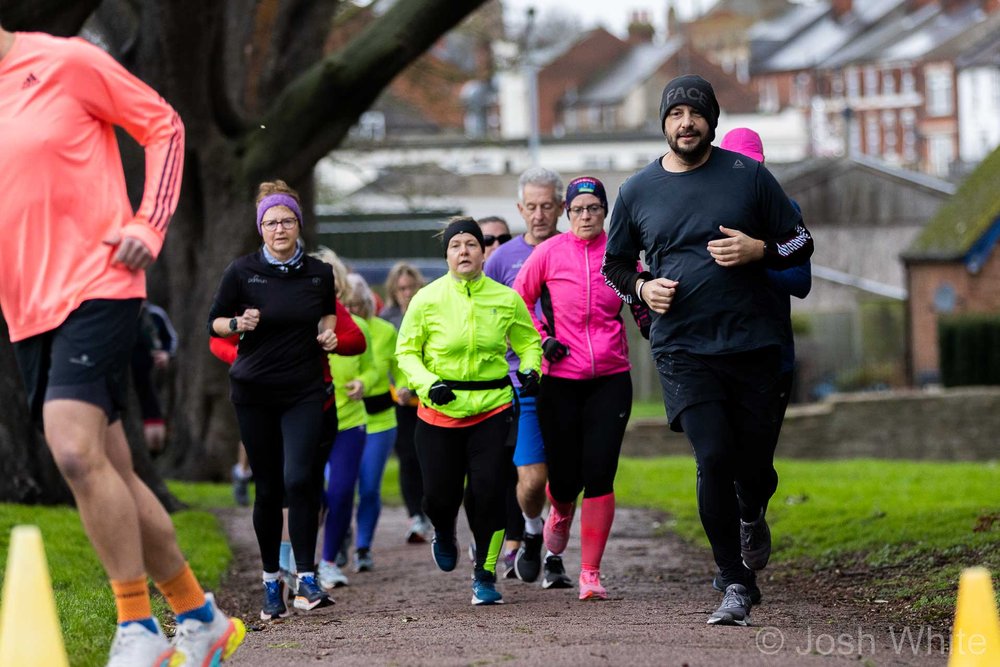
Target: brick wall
{"type": "Point", "coordinates": [974, 293]}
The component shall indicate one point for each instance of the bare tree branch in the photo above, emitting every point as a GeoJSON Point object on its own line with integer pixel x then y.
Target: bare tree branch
{"type": "Point", "coordinates": [312, 114]}
{"type": "Point", "coordinates": [57, 17]}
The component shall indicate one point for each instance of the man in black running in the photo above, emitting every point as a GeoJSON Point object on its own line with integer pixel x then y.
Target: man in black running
{"type": "Point", "coordinates": [710, 222]}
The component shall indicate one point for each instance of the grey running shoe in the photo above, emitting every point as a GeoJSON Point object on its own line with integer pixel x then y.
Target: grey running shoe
{"type": "Point", "coordinates": [363, 561]}
{"type": "Point", "coordinates": [420, 529]}
{"type": "Point", "coordinates": [345, 548]}
{"type": "Point", "coordinates": [755, 543]}
{"type": "Point", "coordinates": [718, 583]}
{"type": "Point", "coordinates": [735, 607]}
{"type": "Point", "coordinates": [505, 564]}
{"type": "Point", "coordinates": [555, 574]}
{"type": "Point", "coordinates": [241, 486]}
{"type": "Point", "coordinates": [528, 562]}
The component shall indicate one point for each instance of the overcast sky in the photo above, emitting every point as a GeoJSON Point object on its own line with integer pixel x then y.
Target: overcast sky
{"type": "Point", "coordinates": [612, 15]}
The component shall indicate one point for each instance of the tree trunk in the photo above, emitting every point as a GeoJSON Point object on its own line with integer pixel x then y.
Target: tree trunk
{"type": "Point", "coordinates": [259, 100]}
{"type": "Point", "coordinates": [27, 472]}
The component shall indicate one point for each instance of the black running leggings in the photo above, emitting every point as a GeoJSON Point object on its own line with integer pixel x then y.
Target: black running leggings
{"type": "Point", "coordinates": [450, 455]}
{"type": "Point", "coordinates": [734, 450]}
{"type": "Point", "coordinates": [411, 484]}
{"type": "Point", "coordinates": [583, 423]}
{"type": "Point", "coordinates": [283, 446]}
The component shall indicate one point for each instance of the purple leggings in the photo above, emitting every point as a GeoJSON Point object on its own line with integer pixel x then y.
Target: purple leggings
{"type": "Point", "coordinates": [342, 471]}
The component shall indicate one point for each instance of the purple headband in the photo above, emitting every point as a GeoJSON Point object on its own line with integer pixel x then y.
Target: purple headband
{"type": "Point", "coordinates": [277, 199]}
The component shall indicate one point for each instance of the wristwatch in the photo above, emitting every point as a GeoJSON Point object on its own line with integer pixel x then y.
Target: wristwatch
{"type": "Point", "coordinates": [234, 324]}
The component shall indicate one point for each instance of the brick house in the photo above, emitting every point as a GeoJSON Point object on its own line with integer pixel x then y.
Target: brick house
{"type": "Point", "coordinates": [722, 32]}
{"type": "Point", "coordinates": [626, 96]}
{"type": "Point", "coordinates": [953, 266]}
{"type": "Point", "coordinates": [877, 78]}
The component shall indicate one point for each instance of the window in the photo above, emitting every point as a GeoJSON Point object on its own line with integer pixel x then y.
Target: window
{"type": "Point", "coordinates": [769, 101]}
{"type": "Point", "coordinates": [853, 83]}
{"type": "Point", "coordinates": [800, 90]}
{"type": "Point", "coordinates": [908, 82]}
{"type": "Point", "coordinates": [940, 154]}
{"type": "Point", "coordinates": [908, 118]}
{"type": "Point", "coordinates": [871, 82]}
{"type": "Point", "coordinates": [889, 133]}
{"type": "Point", "coordinates": [888, 82]}
{"type": "Point", "coordinates": [837, 85]}
{"type": "Point", "coordinates": [873, 145]}
{"type": "Point", "coordinates": [939, 91]}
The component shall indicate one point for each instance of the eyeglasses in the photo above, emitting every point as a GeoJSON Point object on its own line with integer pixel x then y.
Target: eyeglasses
{"type": "Point", "coordinates": [490, 239]}
{"type": "Point", "coordinates": [286, 223]}
{"type": "Point", "coordinates": [593, 209]}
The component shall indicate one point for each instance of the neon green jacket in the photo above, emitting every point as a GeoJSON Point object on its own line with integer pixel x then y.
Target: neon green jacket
{"type": "Point", "coordinates": [383, 346]}
{"type": "Point", "coordinates": [458, 330]}
{"type": "Point", "coordinates": [351, 413]}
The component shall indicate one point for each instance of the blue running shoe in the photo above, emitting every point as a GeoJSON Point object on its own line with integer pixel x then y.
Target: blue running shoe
{"type": "Point", "coordinates": [274, 601]}
{"type": "Point", "coordinates": [309, 595]}
{"type": "Point", "coordinates": [484, 588]}
{"type": "Point", "coordinates": [445, 552]}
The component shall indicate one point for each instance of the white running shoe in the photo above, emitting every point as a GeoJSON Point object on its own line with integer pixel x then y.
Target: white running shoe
{"type": "Point", "coordinates": [135, 645]}
{"type": "Point", "coordinates": [201, 644]}
{"type": "Point", "coordinates": [330, 576]}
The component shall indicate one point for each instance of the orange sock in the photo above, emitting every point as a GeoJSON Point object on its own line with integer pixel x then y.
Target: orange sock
{"type": "Point", "coordinates": [183, 592]}
{"type": "Point", "coordinates": [132, 599]}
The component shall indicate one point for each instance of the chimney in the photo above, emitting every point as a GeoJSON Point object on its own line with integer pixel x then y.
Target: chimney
{"type": "Point", "coordinates": [640, 31]}
{"type": "Point", "coordinates": [673, 26]}
{"type": "Point", "coordinates": [841, 8]}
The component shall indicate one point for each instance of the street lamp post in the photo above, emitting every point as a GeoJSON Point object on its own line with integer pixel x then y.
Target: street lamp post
{"type": "Point", "coordinates": [531, 81]}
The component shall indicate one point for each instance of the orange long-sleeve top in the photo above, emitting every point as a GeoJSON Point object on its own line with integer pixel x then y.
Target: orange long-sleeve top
{"type": "Point", "coordinates": [62, 181]}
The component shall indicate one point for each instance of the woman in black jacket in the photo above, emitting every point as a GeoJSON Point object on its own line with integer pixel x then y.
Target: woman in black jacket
{"type": "Point", "coordinates": [281, 303]}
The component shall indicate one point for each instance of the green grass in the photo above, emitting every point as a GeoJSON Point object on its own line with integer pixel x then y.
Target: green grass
{"type": "Point", "coordinates": [646, 409]}
{"type": "Point", "coordinates": [84, 601]}
{"type": "Point", "coordinates": [913, 525]}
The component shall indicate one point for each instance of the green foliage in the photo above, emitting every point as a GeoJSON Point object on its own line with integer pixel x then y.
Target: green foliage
{"type": "Point", "coordinates": [802, 324]}
{"type": "Point", "coordinates": [883, 330]}
{"type": "Point", "coordinates": [969, 347]}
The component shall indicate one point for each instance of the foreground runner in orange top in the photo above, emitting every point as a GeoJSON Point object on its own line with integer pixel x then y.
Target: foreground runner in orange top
{"type": "Point", "coordinates": [71, 283]}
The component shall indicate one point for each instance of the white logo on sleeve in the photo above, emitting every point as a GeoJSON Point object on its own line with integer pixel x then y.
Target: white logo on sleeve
{"type": "Point", "coordinates": [82, 360]}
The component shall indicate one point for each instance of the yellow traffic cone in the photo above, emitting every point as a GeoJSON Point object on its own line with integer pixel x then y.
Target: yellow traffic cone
{"type": "Point", "coordinates": [975, 637]}
{"type": "Point", "coordinates": [29, 626]}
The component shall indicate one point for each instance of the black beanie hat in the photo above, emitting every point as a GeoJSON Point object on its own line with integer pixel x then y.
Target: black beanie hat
{"type": "Point", "coordinates": [694, 91]}
{"type": "Point", "coordinates": [463, 226]}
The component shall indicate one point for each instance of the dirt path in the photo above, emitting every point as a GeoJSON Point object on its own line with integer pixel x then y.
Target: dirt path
{"type": "Point", "coordinates": [407, 612]}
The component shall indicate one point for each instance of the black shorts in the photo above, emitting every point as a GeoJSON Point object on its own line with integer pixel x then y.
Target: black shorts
{"type": "Point", "coordinates": [747, 379]}
{"type": "Point", "coordinates": [83, 359]}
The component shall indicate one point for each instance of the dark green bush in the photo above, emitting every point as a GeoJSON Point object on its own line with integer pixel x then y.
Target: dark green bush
{"type": "Point", "coordinates": [969, 347]}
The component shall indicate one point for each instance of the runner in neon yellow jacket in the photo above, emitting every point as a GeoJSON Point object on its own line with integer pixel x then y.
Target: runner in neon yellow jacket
{"type": "Point", "coordinates": [451, 346]}
{"type": "Point", "coordinates": [458, 329]}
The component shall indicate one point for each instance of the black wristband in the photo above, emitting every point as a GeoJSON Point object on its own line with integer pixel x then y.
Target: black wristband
{"type": "Point", "coordinates": [234, 324]}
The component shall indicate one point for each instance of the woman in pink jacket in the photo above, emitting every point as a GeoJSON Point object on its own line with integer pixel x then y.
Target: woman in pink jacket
{"type": "Point", "coordinates": [586, 390]}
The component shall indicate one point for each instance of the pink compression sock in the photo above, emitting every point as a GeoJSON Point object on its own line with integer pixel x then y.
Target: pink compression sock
{"type": "Point", "coordinates": [596, 517]}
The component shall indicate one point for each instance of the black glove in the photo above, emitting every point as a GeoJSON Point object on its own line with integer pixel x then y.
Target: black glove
{"type": "Point", "coordinates": [553, 350]}
{"type": "Point", "coordinates": [529, 383]}
{"type": "Point", "coordinates": [440, 393]}
{"type": "Point", "coordinates": [643, 318]}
